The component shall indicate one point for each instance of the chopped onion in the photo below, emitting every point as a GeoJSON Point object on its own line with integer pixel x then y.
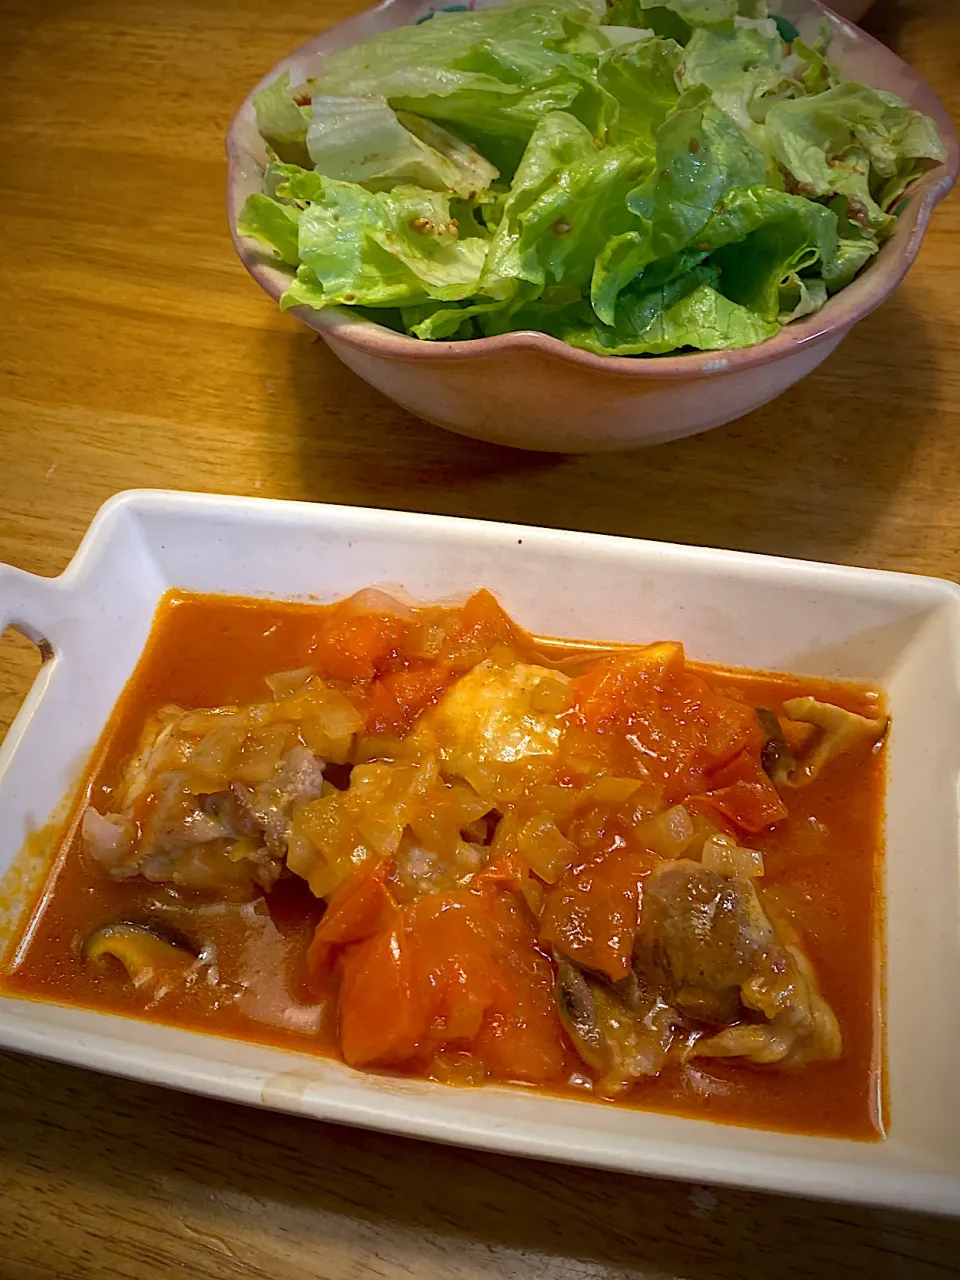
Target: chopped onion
{"type": "Point", "coordinates": [669, 834]}
{"type": "Point", "coordinates": [551, 694]}
{"type": "Point", "coordinates": [425, 640]}
{"type": "Point", "coordinates": [262, 752]}
{"type": "Point", "coordinates": [329, 725]}
{"type": "Point", "coordinates": [215, 753]}
{"type": "Point", "coordinates": [371, 600]}
{"type": "Point", "coordinates": [327, 748]}
{"type": "Point", "coordinates": [544, 848]}
{"type": "Point", "coordinates": [286, 683]}
{"type": "Point", "coordinates": [302, 856]}
{"type": "Point", "coordinates": [339, 717]}
{"type": "Point", "coordinates": [533, 894]}
{"type": "Point", "coordinates": [611, 790]}
{"type": "Point", "coordinates": [727, 858]}
{"type": "Point", "coordinates": [460, 1069]}
{"type": "Point", "coordinates": [203, 721]}
{"type": "Point", "coordinates": [381, 746]}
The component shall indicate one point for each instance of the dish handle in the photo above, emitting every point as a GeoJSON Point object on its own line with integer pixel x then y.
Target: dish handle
{"type": "Point", "coordinates": [31, 605]}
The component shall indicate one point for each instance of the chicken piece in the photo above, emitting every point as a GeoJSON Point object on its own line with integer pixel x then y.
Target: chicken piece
{"type": "Point", "coordinates": [497, 716]}
{"type": "Point", "coordinates": [267, 808]}
{"type": "Point", "coordinates": [208, 798]}
{"type": "Point", "coordinates": [840, 730]}
{"type": "Point", "coordinates": [165, 746]}
{"type": "Point", "coordinates": [706, 944]}
{"type": "Point", "coordinates": [420, 870]}
{"type": "Point", "coordinates": [234, 839]}
{"type": "Point", "coordinates": [107, 837]}
{"type": "Point", "coordinates": [621, 1030]}
{"type": "Point", "coordinates": [181, 841]}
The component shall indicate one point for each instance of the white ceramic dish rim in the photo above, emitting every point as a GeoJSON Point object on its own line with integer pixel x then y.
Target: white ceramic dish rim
{"type": "Point", "coordinates": [840, 313]}
{"type": "Point", "coordinates": [111, 573]}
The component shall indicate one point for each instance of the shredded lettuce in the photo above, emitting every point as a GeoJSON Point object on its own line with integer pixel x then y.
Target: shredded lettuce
{"type": "Point", "coordinates": [634, 178]}
{"type": "Point", "coordinates": [364, 140]}
{"type": "Point", "coordinates": [738, 63]}
{"type": "Point", "coordinates": [567, 198]}
{"type": "Point", "coordinates": [282, 122]}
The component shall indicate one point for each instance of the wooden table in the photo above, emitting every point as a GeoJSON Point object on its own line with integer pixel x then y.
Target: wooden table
{"type": "Point", "coordinates": [135, 351]}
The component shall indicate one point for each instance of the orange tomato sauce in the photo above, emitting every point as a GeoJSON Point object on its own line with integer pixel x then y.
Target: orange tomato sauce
{"type": "Point", "coordinates": [822, 869]}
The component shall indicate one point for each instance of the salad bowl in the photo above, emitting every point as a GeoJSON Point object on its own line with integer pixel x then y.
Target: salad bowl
{"type": "Point", "coordinates": [531, 390]}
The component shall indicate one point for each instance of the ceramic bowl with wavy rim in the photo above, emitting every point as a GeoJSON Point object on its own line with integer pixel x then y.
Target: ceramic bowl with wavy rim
{"type": "Point", "coordinates": [533, 391]}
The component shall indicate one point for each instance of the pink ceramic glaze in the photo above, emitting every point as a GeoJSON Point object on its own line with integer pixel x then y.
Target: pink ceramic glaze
{"type": "Point", "coordinates": [852, 9]}
{"type": "Point", "coordinates": [535, 392]}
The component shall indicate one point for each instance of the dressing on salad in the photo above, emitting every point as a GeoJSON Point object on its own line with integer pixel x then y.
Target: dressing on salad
{"type": "Point", "coordinates": [634, 179]}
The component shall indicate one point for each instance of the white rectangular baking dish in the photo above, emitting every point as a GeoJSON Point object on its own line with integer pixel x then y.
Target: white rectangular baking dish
{"type": "Point", "coordinates": [897, 631]}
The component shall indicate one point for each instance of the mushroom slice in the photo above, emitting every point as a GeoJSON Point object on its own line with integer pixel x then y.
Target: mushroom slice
{"type": "Point", "coordinates": [776, 757]}
{"type": "Point", "coordinates": [840, 730]}
{"type": "Point", "coordinates": [147, 958]}
{"type": "Point", "coordinates": [578, 1013]}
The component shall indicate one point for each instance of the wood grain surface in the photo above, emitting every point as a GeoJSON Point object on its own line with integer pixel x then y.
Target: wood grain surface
{"type": "Point", "coordinates": [135, 351]}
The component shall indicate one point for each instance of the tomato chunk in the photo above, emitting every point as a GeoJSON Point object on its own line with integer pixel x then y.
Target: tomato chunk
{"type": "Point", "coordinates": [458, 971]}
{"type": "Point", "coordinates": [592, 911]}
{"type": "Point", "coordinates": [362, 907]}
{"type": "Point", "coordinates": [656, 719]}
{"type": "Point", "coordinates": [483, 626]}
{"type": "Point", "coordinates": [382, 1015]}
{"type": "Point", "coordinates": [397, 698]}
{"type": "Point", "coordinates": [521, 1037]}
{"type": "Point", "coordinates": [742, 792]}
{"type": "Point", "coordinates": [455, 963]}
{"type": "Point", "coordinates": [356, 646]}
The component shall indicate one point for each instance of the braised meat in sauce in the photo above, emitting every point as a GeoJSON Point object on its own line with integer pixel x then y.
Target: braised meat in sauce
{"type": "Point", "coordinates": [427, 842]}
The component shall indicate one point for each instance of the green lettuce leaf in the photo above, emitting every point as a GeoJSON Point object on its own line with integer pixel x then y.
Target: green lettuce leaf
{"type": "Point", "coordinates": [291, 182]}
{"type": "Point", "coordinates": [853, 141]}
{"type": "Point", "coordinates": [675, 18]}
{"type": "Point", "coordinates": [444, 321]}
{"type": "Point", "coordinates": [375, 249]}
{"type": "Point", "coordinates": [737, 63]}
{"type": "Point", "coordinates": [495, 71]}
{"type": "Point", "coordinates": [281, 122]}
{"type": "Point", "coordinates": [274, 224]}
{"type": "Point", "coordinates": [364, 140]}
{"type": "Point", "coordinates": [701, 153]}
{"type": "Point", "coordinates": [689, 311]}
{"type": "Point", "coordinates": [755, 270]}
{"type": "Point", "coordinates": [800, 296]}
{"type": "Point", "coordinates": [641, 78]}
{"type": "Point", "coordinates": [850, 258]}
{"type": "Point", "coordinates": [815, 73]}
{"type": "Point", "coordinates": [671, 175]}
{"type": "Point", "coordinates": [568, 197]}
{"type": "Point", "coordinates": [854, 248]}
